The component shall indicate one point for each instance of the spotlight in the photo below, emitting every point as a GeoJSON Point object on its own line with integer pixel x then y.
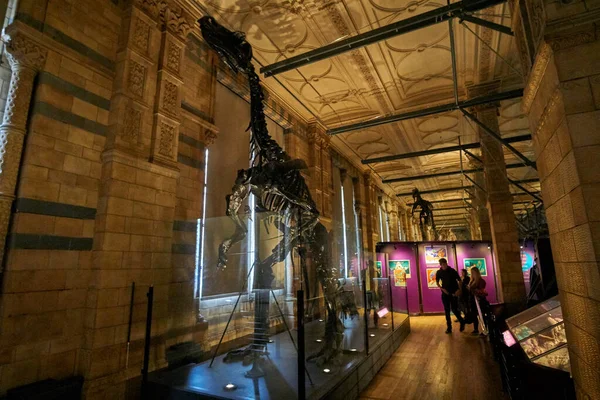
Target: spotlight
{"type": "Point", "coordinates": [352, 350]}
{"type": "Point", "coordinates": [386, 325]}
{"type": "Point", "coordinates": [271, 340]}
{"type": "Point", "coordinates": [320, 320]}
{"type": "Point", "coordinates": [230, 386]}
{"type": "Point", "coordinates": [327, 370]}
{"type": "Point", "coordinates": [319, 340]}
{"type": "Point", "coordinates": [372, 335]}
{"type": "Point", "coordinates": [489, 247]}
{"type": "Point", "coordinates": [521, 247]}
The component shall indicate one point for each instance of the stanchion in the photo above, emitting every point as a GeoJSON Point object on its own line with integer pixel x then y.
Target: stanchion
{"type": "Point", "coordinates": [301, 346]}
{"type": "Point", "coordinates": [366, 317]}
{"type": "Point", "coordinates": [391, 300]}
{"type": "Point", "coordinates": [147, 341]}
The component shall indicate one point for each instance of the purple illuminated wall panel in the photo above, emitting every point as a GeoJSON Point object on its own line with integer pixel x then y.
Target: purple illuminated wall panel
{"type": "Point", "coordinates": [473, 251]}
{"type": "Point", "coordinates": [432, 296]}
{"type": "Point", "coordinates": [401, 295]}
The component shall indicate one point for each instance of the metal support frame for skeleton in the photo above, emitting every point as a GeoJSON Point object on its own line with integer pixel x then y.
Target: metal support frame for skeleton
{"type": "Point", "coordinates": [281, 192]}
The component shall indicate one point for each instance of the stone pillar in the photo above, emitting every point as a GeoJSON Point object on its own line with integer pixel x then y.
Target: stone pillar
{"type": "Point", "coordinates": [319, 167]}
{"type": "Point", "coordinates": [370, 216]}
{"type": "Point", "coordinates": [479, 202]}
{"type": "Point", "coordinates": [26, 59]}
{"type": "Point", "coordinates": [505, 236]}
{"type": "Point", "coordinates": [395, 232]}
{"type": "Point", "coordinates": [406, 227]}
{"type": "Point", "coordinates": [133, 240]}
{"type": "Point", "coordinates": [562, 101]}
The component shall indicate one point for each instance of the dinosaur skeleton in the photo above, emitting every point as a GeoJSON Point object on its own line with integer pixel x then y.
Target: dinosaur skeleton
{"type": "Point", "coordinates": [280, 192]}
{"type": "Point", "coordinates": [425, 214]}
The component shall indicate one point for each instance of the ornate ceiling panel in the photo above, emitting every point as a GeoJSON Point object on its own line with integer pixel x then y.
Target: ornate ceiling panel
{"type": "Point", "coordinates": [407, 72]}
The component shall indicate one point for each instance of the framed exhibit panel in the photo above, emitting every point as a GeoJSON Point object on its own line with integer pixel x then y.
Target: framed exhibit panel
{"type": "Point", "coordinates": [402, 268]}
{"type": "Point", "coordinates": [479, 254]}
{"type": "Point", "coordinates": [429, 254]}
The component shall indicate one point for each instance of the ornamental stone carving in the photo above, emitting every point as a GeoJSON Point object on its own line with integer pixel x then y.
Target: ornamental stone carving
{"type": "Point", "coordinates": [169, 15]}
{"type": "Point", "coordinates": [171, 94]}
{"type": "Point", "coordinates": [173, 57]}
{"type": "Point", "coordinates": [137, 76]}
{"type": "Point", "coordinates": [23, 52]}
{"type": "Point", "coordinates": [165, 144]}
{"type": "Point", "coordinates": [132, 125]}
{"type": "Point", "coordinates": [209, 137]}
{"type": "Point", "coordinates": [141, 35]}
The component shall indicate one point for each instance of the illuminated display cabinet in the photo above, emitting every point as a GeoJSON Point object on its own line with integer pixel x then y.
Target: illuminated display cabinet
{"type": "Point", "coordinates": [309, 327]}
{"type": "Point", "coordinates": [534, 354]}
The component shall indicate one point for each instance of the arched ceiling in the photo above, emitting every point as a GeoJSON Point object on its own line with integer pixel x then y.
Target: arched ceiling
{"type": "Point", "coordinates": [406, 72]}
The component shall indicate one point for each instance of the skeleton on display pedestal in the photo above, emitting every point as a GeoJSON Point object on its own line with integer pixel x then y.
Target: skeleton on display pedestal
{"type": "Point", "coordinates": [425, 214]}
{"type": "Point", "coordinates": [281, 193]}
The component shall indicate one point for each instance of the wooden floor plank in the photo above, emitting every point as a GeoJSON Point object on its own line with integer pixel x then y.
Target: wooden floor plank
{"type": "Point", "coordinates": [433, 365]}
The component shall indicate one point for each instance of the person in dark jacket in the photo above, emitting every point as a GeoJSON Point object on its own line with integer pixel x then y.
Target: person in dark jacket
{"type": "Point", "coordinates": [450, 287]}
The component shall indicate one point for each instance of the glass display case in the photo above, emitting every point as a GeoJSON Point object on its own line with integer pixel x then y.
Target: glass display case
{"type": "Point", "coordinates": [540, 332]}
{"type": "Point", "coordinates": [275, 317]}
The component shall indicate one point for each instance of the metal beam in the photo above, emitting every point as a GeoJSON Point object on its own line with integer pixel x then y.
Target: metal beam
{"type": "Point", "coordinates": [516, 183]}
{"type": "Point", "coordinates": [420, 21]}
{"type": "Point", "coordinates": [463, 147]}
{"type": "Point", "coordinates": [435, 191]}
{"type": "Point", "coordinates": [493, 98]}
{"type": "Point", "coordinates": [488, 24]}
{"type": "Point", "coordinates": [438, 174]}
{"type": "Point", "coordinates": [499, 139]}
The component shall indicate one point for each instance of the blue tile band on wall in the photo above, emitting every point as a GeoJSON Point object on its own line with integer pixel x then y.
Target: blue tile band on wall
{"type": "Point", "coordinates": [48, 110]}
{"type": "Point", "coordinates": [68, 41]}
{"type": "Point", "coordinates": [190, 141]}
{"type": "Point", "coordinates": [190, 162]}
{"type": "Point", "coordinates": [46, 78]}
{"type": "Point", "coordinates": [184, 226]}
{"type": "Point", "coordinates": [49, 242]}
{"type": "Point", "coordinates": [33, 206]}
{"type": "Point", "coordinates": [182, 248]}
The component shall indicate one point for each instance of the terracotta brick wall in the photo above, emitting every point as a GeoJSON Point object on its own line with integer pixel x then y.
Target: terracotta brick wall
{"type": "Point", "coordinates": [48, 269]}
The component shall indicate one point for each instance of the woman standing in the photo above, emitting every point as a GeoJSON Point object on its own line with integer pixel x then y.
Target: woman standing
{"type": "Point", "coordinates": [465, 295]}
{"type": "Point", "coordinates": [477, 291]}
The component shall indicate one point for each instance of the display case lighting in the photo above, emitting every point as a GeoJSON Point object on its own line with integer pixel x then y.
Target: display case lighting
{"type": "Point", "coordinates": [327, 370]}
{"type": "Point", "coordinates": [319, 340]}
{"type": "Point", "coordinates": [352, 350]}
{"type": "Point", "coordinates": [372, 335]}
{"type": "Point", "coordinates": [386, 324]}
{"type": "Point", "coordinates": [230, 386]}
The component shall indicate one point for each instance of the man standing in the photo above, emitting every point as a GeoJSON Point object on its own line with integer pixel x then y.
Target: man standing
{"type": "Point", "coordinates": [450, 284]}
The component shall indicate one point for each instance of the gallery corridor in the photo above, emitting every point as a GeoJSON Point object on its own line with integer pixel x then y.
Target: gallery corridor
{"type": "Point", "coordinates": [434, 366]}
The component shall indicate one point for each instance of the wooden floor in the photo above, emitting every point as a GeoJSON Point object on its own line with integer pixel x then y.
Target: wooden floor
{"type": "Point", "coordinates": [433, 365]}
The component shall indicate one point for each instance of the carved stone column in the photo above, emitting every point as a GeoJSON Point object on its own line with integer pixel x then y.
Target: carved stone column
{"type": "Point", "coordinates": [26, 59]}
{"type": "Point", "coordinates": [406, 227]}
{"type": "Point", "coordinates": [370, 234]}
{"type": "Point", "coordinates": [479, 211]}
{"type": "Point", "coordinates": [319, 167]}
{"type": "Point", "coordinates": [499, 204]}
{"type": "Point", "coordinates": [395, 229]}
{"type": "Point", "coordinates": [561, 100]}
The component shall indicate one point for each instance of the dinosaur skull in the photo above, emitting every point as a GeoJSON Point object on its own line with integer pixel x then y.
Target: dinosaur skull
{"type": "Point", "coordinates": [232, 47]}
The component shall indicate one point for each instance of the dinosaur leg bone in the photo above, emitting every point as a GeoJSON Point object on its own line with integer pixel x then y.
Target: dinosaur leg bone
{"type": "Point", "coordinates": [234, 202]}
